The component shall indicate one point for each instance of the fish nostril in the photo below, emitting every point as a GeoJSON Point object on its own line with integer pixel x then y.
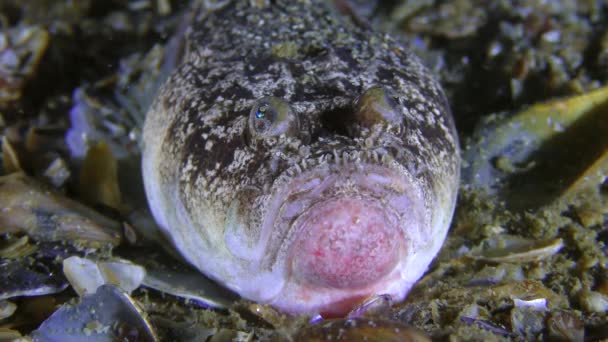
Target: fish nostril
{"type": "Point", "coordinates": [337, 120]}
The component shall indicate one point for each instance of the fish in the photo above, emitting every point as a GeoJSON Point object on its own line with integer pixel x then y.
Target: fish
{"type": "Point", "coordinates": [299, 159]}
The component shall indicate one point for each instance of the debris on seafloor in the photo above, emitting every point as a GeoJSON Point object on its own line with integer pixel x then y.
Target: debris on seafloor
{"type": "Point", "coordinates": [32, 263]}
{"type": "Point", "coordinates": [10, 159]}
{"type": "Point", "coordinates": [510, 248]}
{"type": "Point", "coordinates": [527, 237]}
{"type": "Point", "coordinates": [107, 315]}
{"type": "Point", "coordinates": [86, 276]}
{"type": "Point", "coordinates": [29, 206]}
{"type": "Point", "coordinates": [21, 49]}
{"type": "Point", "coordinates": [10, 335]}
{"type": "Point", "coordinates": [34, 149]}
{"type": "Point", "coordinates": [99, 177]}
{"type": "Point", "coordinates": [360, 329]}
{"type": "Point", "coordinates": [95, 118]}
{"type": "Point", "coordinates": [26, 277]}
{"type": "Point", "coordinates": [565, 326]}
{"type": "Point", "coordinates": [7, 309]}
{"type": "Point", "coordinates": [545, 153]}
{"type": "Point", "coordinates": [168, 275]}
{"type": "Point", "coordinates": [57, 173]}
{"type": "Point", "coordinates": [111, 111]}
{"type": "Point", "coordinates": [372, 307]}
{"type": "Point", "coordinates": [465, 18]}
{"type": "Point", "coordinates": [14, 247]}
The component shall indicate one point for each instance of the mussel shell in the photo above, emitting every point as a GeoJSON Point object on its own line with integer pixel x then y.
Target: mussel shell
{"type": "Point", "coordinates": [108, 315]}
{"type": "Point", "coordinates": [22, 277]}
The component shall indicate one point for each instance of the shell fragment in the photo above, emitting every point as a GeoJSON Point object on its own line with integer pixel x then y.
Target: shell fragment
{"type": "Point", "coordinates": [86, 276]}
{"type": "Point", "coordinates": [108, 315]}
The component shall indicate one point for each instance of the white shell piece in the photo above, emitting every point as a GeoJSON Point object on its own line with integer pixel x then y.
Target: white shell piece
{"type": "Point", "coordinates": [123, 274]}
{"type": "Point", "coordinates": [7, 309]}
{"type": "Point", "coordinates": [538, 304]}
{"type": "Point", "coordinates": [86, 276]}
{"type": "Point", "coordinates": [83, 275]}
{"type": "Point", "coordinates": [99, 317]}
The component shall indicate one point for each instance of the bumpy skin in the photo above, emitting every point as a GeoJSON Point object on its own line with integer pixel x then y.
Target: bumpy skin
{"type": "Point", "coordinates": [345, 204]}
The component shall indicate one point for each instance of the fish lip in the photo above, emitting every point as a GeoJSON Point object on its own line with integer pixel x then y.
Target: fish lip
{"type": "Point", "coordinates": [288, 297]}
{"type": "Point", "coordinates": [277, 232]}
{"type": "Point", "coordinates": [327, 175]}
{"type": "Point", "coordinates": [303, 223]}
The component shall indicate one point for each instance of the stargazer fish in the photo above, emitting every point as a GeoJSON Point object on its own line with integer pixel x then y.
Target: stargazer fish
{"type": "Point", "coordinates": [299, 159]}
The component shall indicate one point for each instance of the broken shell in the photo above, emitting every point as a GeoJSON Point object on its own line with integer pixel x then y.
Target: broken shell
{"type": "Point", "coordinates": [510, 248]}
{"type": "Point", "coordinates": [565, 326]}
{"type": "Point", "coordinates": [123, 273]}
{"type": "Point", "coordinates": [7, 309]}
{"type": "Point", "coordinates": [10, 158]}
{"type": "Point", "coordinates": [465, 19]}
{"type": "Point", "coordinates": [593, 302]}
{"type": "Point", "coordinates": [231, 335]}
{"type": "Point", "coordinates": [95, 118]}
{"type": "Point", "coordinates": [86, 121]}
{"type": "Point", "coordinates": [130, 234]}
{"type": "Point", "coordinates": [57, 173]}
{"type": "Point", "coordinates": [86, 276]}
{"type": "Point", "coordinates": [108, 315]}
{"type": "Point", "coordinates": [10, 335]}
{"type": "Point", "coordinates": [47, 215]}
{"type": "Point", "coordinates": [259, 315]}
{"type": "Point", "coordinates": [526, 290]}
{"type": "Point", "coordinates": [21, 50]}
{"type": "Point", "coordinates": [99, 177]}
{"type": "Point", "coordinates": [489, 275]}
{"type": "Point", "coordinates": [13, 248]}
{"type": "Point", "coordinates": [372, 307]}
{"type": "Point", "coordinates": [487, 325]}
{"type": "Point", "coordinates": [184, 331]}
{"type": "Point", "coordinates": [527, 322]}
{"type": "Point", "coordinates": [22, 277]}
{"type": "Point", "coordinates": [360, 329]}
{"type": "Point", "coordinates": [83, 275]}
{"type": "Point", "coordinates": [429, 305]}
{"type": "Point", "coordinates": [550, 150]}
{"type": "Point", "coordinates": [538, 304]}
{"type": "Point", "coordinates": [165, 274]}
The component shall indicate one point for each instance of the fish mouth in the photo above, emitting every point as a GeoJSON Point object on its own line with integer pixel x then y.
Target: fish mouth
{"type": "Point", "coordinates": [343, 230]}
{"type": "Point", "coordinates": [386, 191]}
{"type": "Point", "coordinates": [345, 242]}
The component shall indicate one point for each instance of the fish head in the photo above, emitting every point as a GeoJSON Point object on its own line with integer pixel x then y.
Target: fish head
{"type": "Point", "coordinates": [310, 180]}
{"type": "Point", "coordinates": [340, 212]}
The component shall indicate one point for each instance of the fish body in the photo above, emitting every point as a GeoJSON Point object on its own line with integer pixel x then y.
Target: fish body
{"type": "Point", "coordinates": [301, 160]}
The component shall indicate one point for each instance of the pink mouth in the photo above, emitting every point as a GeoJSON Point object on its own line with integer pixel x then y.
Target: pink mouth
{"type": "Point", "coordinates": [347, 236]}
{"type": "Point", "coordinates": [346, 243]}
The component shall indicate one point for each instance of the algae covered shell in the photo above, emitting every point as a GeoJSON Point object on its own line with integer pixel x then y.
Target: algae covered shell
{"type": "Point", "coordinates": [548, 151]}
{"type": "Point", "coordinates": [30, 206]}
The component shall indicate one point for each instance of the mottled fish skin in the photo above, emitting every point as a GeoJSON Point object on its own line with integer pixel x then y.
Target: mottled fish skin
{"type": "Point", "coordinates": [234, 203]}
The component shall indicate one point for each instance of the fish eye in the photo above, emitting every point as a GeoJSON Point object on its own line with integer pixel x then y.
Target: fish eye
{"type": "Point", "coordinates": [271, 117]}
{"type": "Point", "coordinates": [377, 105]}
